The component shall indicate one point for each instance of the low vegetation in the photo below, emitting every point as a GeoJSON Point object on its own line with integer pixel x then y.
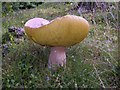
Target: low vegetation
{"type": "Point", "coordinates": [90, 64]}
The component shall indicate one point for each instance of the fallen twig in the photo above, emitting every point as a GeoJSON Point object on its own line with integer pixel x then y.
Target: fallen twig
{"type": "Point", "coordinates": [99, 77]}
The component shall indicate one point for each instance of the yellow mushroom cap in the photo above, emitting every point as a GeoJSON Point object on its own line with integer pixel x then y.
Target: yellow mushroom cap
{"type": "Point", "coordinates": [64, 31]}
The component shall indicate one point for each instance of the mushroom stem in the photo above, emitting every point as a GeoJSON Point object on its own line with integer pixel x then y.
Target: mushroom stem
{"type": "Point", "coordinates": [57, 57]}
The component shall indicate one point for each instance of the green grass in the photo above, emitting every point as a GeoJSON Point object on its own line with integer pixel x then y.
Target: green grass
{"type": "Point", "coordinates": [90, 64]}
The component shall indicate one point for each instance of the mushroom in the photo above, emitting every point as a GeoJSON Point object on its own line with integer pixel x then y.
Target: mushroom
{"type": "Point", "coordinates": [59, 33]}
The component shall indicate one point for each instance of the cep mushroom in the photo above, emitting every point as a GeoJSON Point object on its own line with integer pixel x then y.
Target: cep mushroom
{"type": "Point", "coordinates": [59, 33]}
